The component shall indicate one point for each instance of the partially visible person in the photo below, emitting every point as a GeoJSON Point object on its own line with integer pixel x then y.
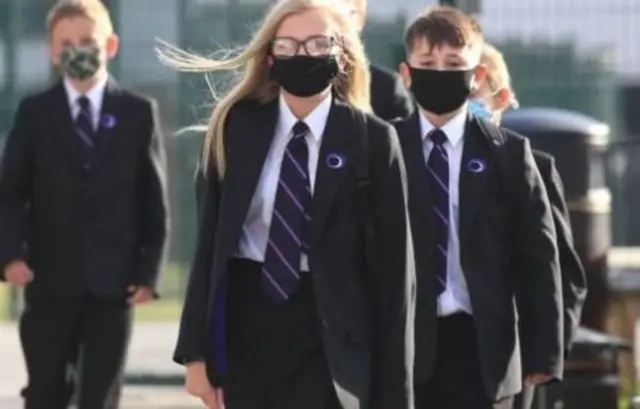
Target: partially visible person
{"type": "Point", "coordinates": [83, 214]}
{"type": "Point", "coordinates": [491, 100]}
{"type": "Point", "coordinates": [389, 97]}
{"type": "Point", "coordinates": [489, 306]}
{"type": "Point", "coordinates": [299, 293]}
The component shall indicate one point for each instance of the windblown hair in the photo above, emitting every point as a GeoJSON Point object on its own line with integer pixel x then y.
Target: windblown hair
{"type": "Point", "coordinates": [351, 84]}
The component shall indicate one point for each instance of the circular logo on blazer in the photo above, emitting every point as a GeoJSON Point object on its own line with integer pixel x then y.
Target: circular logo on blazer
{"type": "Point", "coordinates": [476, 166]}
{"type": "Point", "coordinates": [108, 121]}
{"type": "Point", "coordinates": [335, 161]}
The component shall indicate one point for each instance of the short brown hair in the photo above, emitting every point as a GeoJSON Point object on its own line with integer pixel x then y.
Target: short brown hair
{"type": "Point", "coordinates": [94, 10]}
{"type": "Point", "coordinates": [444, 25]}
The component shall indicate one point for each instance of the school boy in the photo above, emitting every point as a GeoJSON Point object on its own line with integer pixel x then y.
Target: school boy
{"type": "Point", "coordinates": [486, 257]}
{"type": "Point", "coordinates": [83, 214]}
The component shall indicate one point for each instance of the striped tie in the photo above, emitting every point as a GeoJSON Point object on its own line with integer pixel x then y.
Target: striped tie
{"type": "Point", "coordinates": [438, 166]}
{"type": "Point", "coordinates": [290, 219]}
{"type": "Point", "coordinates": [84, 125]}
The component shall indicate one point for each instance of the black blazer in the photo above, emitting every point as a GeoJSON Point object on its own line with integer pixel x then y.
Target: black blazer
{"type": "Point", "coordinates": [389, 97]}
{"type": "Point", "coordinates": [574, 281]}
{"type": "Point", "coordinates": [99, 229]}
{"type": "Point", "coordinates": [508, 253]}
{"type": "Point", "coordinates": [365, 313]}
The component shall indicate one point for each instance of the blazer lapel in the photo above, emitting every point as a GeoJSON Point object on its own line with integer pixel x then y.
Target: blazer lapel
{"type": "Point", "coordinates": [475, 169]}
{"type": "Point", "coordinates": [108, 117]}
{"type": "Point", "coordinates": [336, 144]}
{"type": "Point", "coordinates": [250, 137]}
{"type": "Point", "coordinates": [415, 161]}
{"type": "Point", "coordinates": [63, 127]}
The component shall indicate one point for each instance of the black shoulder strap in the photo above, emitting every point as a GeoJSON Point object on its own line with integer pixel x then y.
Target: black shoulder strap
{"type": "Point", "coordinates": [363, 183]}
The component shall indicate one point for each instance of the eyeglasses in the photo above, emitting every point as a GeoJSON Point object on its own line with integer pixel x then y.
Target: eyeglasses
{"type": "Point", "coordinates": [315, 46]}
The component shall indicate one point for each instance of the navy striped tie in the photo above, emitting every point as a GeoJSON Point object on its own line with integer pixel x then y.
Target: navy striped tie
{"type": "Point", "coordinates": [84, 124]}
{"type": "Point", "coordinates": [290, 219]}
{"type": "Point", "coordinates": [438, 167]}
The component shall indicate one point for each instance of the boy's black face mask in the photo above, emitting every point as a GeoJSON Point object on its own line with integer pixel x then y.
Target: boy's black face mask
{"type": "Point", "coordinates": [441, 92]}
{"type": "Point", "coordinates": [304, 76]}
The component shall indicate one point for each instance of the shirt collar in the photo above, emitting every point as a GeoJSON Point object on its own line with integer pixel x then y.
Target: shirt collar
{"type": "Point", "coordinates": [453, 129]}
{"type": "Point", "coordinates": [316, 120]}
{"type": "Point", "coordinates": [95, 94]}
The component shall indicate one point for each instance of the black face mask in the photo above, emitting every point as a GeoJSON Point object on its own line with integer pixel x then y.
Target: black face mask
{"type": "Point", "coordinates": [441, 92]}
{"type": "Point", "coordinates": [304, 76]}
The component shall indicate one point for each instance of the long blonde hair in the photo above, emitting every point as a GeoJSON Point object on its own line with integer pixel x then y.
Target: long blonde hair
{"type": "Point", "coordinates": [351, 84]}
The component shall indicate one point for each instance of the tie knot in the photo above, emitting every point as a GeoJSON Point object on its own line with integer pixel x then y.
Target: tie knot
{"type": "Point", "coordinates": [438, 137]}
{"type": "Point", "coordinates": [300, 129]}
{"type": "Point", "coordinates": [84, 102]}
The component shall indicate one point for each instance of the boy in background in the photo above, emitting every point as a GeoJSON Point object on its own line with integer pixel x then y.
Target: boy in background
{"type": "Point", "coordinates": [83, 214]}
{"type": "Point", "coordinates": [389, 97]}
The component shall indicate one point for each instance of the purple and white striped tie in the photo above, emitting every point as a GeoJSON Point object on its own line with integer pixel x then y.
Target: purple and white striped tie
{"type": "Point", "coordinates": [84, 127]}
{"type": "Point", "coordinates": [438, 167]}
{"type": "Point", "coordinates": [290, 220]}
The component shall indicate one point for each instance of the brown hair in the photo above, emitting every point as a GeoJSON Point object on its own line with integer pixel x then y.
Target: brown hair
{"type": "Point", "coordinates": [444, 25]}
{"type": "Point", "coordinates": [94, 10]}
{"type": "Point", "coordinates": [498, 76]}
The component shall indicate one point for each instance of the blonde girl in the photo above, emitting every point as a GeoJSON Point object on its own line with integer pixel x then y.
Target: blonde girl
{"type": "Point", "coordinates": [495, 95]}
{"type": "Point", "coordinates": [295, 299]}
{"type": "Point", "coordinates": [492, 99]}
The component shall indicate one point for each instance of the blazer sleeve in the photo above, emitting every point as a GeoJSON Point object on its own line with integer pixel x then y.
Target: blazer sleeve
{"type": "Point", "coordinates": [574, 281]}
{"type": "Point", "coordinates": [152, 196]}
{"type": "Point", "coordinates": [192, 336]}
{"type": "Point", "coordinates": [537, 267]}
{"type": "Point", "coordinates": [15, 187]}
{"type": "Point", "coordinates": [394, 272]}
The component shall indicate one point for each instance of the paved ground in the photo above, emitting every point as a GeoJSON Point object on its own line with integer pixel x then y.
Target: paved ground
{"type": "Point", "coordinates": [150, 354]}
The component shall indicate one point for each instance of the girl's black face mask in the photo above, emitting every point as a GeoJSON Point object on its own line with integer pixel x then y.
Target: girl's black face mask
{"type": "Point", "coordinates": [304, 76]}
{"type": "Point", "coordinates": [441, 92]}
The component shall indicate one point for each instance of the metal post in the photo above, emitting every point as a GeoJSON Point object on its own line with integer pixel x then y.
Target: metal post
{"type": "Point", "coordinates": [14, 31]}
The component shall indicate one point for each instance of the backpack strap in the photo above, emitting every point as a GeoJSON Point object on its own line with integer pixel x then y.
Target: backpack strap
{"type": "Point", "coordinates": [363, 183]}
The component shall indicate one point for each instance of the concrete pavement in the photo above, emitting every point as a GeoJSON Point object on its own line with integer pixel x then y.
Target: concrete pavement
{"type": "Point", "coordinates": [149, 355]}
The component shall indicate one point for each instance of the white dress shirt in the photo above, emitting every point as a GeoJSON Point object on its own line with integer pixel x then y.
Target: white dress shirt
{"type": "Point", "coordinates": [95, 96]}
{"type": "Point", "coordinates": [455, 297]}
{"type": "Point", "coordinates": [255, 231]}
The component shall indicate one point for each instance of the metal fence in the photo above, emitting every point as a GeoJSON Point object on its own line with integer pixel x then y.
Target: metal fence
{"type": "Point", "coordinates": [575, 54]}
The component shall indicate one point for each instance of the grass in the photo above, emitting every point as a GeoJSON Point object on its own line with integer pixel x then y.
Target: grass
{"type": "Point", "coordinates": [168, 308]}
{"type": "Point", "coordinates": [624, 403]}
{"type": "Point", "coordinates": [4, 302]}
